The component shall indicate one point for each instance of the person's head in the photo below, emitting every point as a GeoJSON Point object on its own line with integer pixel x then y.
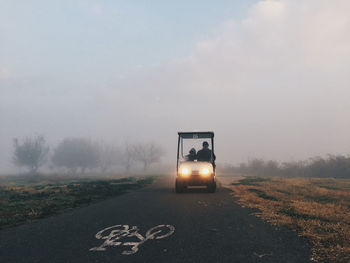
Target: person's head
{"type": "Point", "coordinates": [205, 145]}
{"type": "Point", "coordinates": [193, 151]}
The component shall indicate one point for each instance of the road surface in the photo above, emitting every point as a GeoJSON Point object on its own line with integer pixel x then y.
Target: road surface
{"type": "Point", "coordinates": [189, 227]}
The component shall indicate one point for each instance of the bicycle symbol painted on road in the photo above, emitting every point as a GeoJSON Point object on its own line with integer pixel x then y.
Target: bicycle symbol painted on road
{"type": "Point", "coordinates": [114, 234]}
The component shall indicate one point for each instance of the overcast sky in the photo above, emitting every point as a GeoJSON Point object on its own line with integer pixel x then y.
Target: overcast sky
{"type": "Point", "coordinates": [270, 78]}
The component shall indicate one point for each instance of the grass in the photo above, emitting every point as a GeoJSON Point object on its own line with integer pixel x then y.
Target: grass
{"type": "Point", "coordinates": [262, 194]}
{"type": "Point", "coordinates": [318, 209]}
{"type": "Point", "coordinates": [27, 199]}
{"type": "Point", "coordinates": [251, 181]}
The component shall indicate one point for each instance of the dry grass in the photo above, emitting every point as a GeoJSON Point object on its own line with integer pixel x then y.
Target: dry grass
{"type": "Point", "coordinates": [318, 209]}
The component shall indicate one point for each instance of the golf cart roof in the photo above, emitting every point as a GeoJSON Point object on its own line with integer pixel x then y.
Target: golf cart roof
{"type": "Point", "coordinates": [196, 134]}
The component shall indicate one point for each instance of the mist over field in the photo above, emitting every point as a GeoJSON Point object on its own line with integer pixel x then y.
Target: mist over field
{"type": "Point", "coordinates": [272, 82]}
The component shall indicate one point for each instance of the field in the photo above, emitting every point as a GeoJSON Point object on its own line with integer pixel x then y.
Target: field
{"type": "Point", "coordinates": [28, 198]}
{"type": "Point", "coordinates": [317, 209]}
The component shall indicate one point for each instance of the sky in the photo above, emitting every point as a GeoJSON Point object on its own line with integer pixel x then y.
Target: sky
{"type": "Point", "coordinates": [270, 77]}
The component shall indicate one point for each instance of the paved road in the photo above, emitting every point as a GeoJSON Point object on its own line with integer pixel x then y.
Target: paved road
{"type": "Point", "coordinates": [208, 228]}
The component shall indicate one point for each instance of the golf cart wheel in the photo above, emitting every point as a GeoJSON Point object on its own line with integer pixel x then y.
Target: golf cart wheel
{"type": "Point", "coordinates": [212, 187]}
{"type": "Point", "coordinates": [179, 188]}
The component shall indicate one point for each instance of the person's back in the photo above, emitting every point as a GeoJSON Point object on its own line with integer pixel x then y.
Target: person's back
{"type": "Point", "coordinates": [205, 154]}
{"type": "Point", "coordinates": [192, 155]}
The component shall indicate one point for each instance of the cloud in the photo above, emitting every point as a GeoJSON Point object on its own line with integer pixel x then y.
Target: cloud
{"type": "Point", "coordinates": [96, 9]}
{"type": "Point", "coordinates": [274, 84]}
{"type": "Point", "coordinates": [4, 74]}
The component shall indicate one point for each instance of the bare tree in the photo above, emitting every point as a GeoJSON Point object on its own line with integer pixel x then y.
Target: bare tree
{"type": "Point", "coordinates": [256, 166]}
{"type": "Point", "coordinates": [108, 156]}
{"type": "Point", "coordinates": [76, 154]}
{"type": "Point", "coordinates": [148, 153]}
{"type": "Point", "coordinates": [271, 168]}
{"type": "Point", "coordinates": [128, 156]}
{"type": "Point", "coordinates": [31, 153]}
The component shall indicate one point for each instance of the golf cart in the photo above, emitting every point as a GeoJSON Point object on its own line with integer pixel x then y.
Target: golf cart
{"type": "Point", "coordinates": [193, 169]}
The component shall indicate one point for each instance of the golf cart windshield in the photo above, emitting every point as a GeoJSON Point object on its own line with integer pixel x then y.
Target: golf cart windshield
{"type": "Point", "coordinates": [193, 140]}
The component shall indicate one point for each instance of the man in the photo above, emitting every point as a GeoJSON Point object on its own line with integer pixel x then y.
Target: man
{"type": "Point", "coordinates": [205, 155]}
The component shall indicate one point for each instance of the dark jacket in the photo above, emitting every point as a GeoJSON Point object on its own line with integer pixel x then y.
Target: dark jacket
{"type": "Point", "coordinates": [191, 157]}
{"type": "Point", "coordinates": [205, 155]}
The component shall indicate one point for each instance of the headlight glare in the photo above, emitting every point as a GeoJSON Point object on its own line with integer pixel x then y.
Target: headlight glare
{"type": "Point", "coordinates": [205, 172]}
{"type": "Point", "coordinates": [185, 172]}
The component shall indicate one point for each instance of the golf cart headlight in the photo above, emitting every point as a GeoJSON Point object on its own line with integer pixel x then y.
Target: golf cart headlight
{"type": "Point", "coordinates": [205, 172]}
{"type": "Point", "coordinates": [185, 172]}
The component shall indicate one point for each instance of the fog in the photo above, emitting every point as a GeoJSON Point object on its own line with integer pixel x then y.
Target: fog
{"type": "Point", "coordinates": [272, 83]}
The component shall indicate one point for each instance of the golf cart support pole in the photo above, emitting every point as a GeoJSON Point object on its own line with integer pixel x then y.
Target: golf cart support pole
{"type": "Point", "coordinates": [178, 146]}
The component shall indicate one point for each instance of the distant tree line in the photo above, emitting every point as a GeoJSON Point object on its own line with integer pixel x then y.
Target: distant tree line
{"type": "Point", "coordinates": [332, 166]}
{"type": "Point", "coordinates": [79, 155]}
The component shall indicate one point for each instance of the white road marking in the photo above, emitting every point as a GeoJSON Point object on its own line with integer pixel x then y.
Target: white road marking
{"type": "Point", "coordinates": [113, 234]}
